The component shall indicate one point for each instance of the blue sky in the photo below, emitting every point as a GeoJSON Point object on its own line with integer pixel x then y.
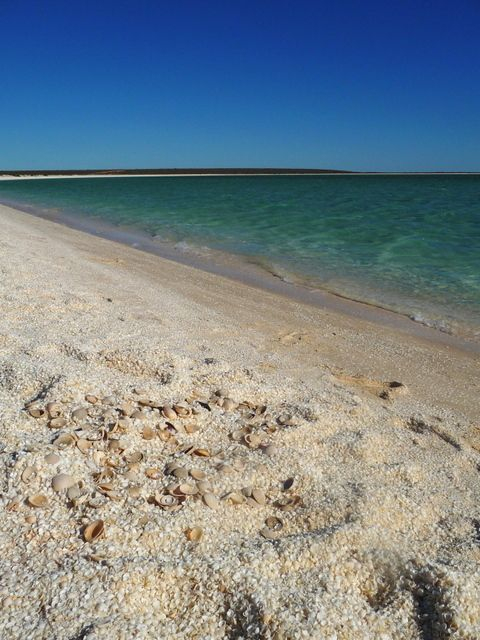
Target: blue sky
{"type": "Point", "coordinates": [373, 85]}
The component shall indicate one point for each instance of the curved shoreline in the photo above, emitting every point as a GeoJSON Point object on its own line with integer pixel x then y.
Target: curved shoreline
{"type": "Point", "coordinates": [251, 274]}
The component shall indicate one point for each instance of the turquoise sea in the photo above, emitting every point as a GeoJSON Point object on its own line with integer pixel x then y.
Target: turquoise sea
{"type": "Point", "coordinates": [406, 243]}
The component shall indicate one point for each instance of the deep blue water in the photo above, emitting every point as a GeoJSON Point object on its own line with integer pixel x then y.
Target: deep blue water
{"type": "Point", "coordinates": [407, 243]}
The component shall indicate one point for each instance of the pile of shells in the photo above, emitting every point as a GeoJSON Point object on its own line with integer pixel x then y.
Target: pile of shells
{"type": "Point", "coordinates": [100, 431]}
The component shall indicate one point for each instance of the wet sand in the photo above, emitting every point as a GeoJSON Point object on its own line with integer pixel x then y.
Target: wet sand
{"type": "Point", "coordinates": [382, 539]}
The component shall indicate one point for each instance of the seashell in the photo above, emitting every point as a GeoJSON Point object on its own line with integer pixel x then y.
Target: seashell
{"type": "Point", "coordinates": [130, 475]}
{"type": "Point", "coordinates": [38, 501]}
{"type": "Point", "coordinates": [127, 409]}
{"type": "Point", "coordinates": [188, 489]}
{"type": "Point", "coordinates": [91, 399]}
{"type": "Point", "coordinates": [191, 428]}
{"type": "Point", "coordinates": [239, 464]}
{"type": "Point", "coordinates": [52, 458]}
{"type": "Point", "coordinates": [252, 440]}
{"type": "Point", "coordinates": [123, 423]}
{"type": "Point", "coordinates": [30, 519]}
{"type": "Point", "coordinates": [270, 450]}
{"type": "Point", "coordinates": [64, 440]}
{"type": "Point", "coordinates": [109, 400]}
{"type": "Point", "coordinates": [36, 412]}
{"type": "Point", "coordinates": [168, 412]}
{"type": "Point", "coordinates": [247, 492]}
{"type": "Point", "coordinates": [138, 415]}
{"type": "Point", "coordinates": [73, 493]}
{"type": "Point", "coordinates": [57, 423]}
{"type": "Point", "coordinates": [235, 498]}
{"type": "Point", "coordinates": [274, 523]}
{"type": "Point", "coordinates": [171, 466]}
{"type": "Point", "coordinates": [201, 453]}
{"type": "Point", "coordinates": [269, 534]}
{"type": "Point", "coordinates": [180, 472]}
{"type": "Point", "coordinates": [115, 445]}
{"type": "Point", "coordinates": [134, 458]}
{"type": "Point", "coordinates": [251, 502]}
{"type": "Point", "coordinates": [211, 500]}
{"type": "Point", "coordinates": [188, 449]}
{"type": "Point", "coordinates": [54, 409]}
{"type": "Point", "coordinates": [153, 473]}
{"type": "Point", "coordinates": [96, 502]}
{"type": "Point", "coordinates": [228, 404]}
{"type": "Point", "coordinates": [204, 487]}
{"type": "Point", "coordinates": [109, 415]}
{"type": "Point", "coordinates": [94, 531]}
{"type": "Point", "coordinates": [134, 492]}
{"type": "Point", "coordinates": [198, 474]}
{"type": "Point", "coordinates": [62, 481]}
{"type": "Point", "coordinates": [181, 410]}
{"type": "Point", "coordinates": [83, 445]}
{"type": "Point", "coordinates": [80, 414]}
{"type": "Point", "coordinates": [288, 484]}
{"type": "Point", "coordinates": [288, 504]}
{"type": "Point", "coordinates": [167, 502]}
{"type": "Point", "coordinates": [98, 457]}
{"type": "Point", "coordinates": [259, 496]}
{"type": "Point", "coordinates": [226, 469]}
{"type": "Point", "coordinates": [238, 434]}
{"type": "Point", "coordinates": [145, 402]}
{"type": "Point", "coordinates": [105, 486]}
{"type": "Point", "coordinates": [28, 474]}
{"type": "Point", "coordinates": [286, 420]}
{"type": "Point", "coordinates": [194, 534]}
{"type": "Point", "coordinates": [148, 433]}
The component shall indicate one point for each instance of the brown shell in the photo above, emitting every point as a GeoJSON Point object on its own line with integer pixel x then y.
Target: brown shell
{"type": "Point", "coordinates": [94, 531]}
{"type": "Point", "coordinates": [38, 501]}
{"type": "Point", "coordinates": [211, 500]}
{"type": "Point", "coordinates": [57, 423]}
{"type": "Point", "coordinates": [194, 534]}
{"type": "Point", "coordinates": [36, 412]}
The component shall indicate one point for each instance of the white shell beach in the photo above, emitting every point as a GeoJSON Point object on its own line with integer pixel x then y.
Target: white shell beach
{"type": "Point", "coordinates": [326, 480]}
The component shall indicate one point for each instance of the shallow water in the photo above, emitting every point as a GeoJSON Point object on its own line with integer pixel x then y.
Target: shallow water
{"type": "Point", "coordinates": [407, 243]}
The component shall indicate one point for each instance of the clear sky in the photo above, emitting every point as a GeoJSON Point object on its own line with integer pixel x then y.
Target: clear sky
{"type": "Point", "coordinates": [352, 84]}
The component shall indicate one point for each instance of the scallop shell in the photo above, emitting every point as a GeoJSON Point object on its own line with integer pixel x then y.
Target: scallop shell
{"type": "Point", "coordinates": [226, 469]}
{"type": "Point", "coordinates": [54, 409]}
{"type": "Point", "coordinates": [62, 481]}
{"type": "Point", "coordinates": [57, 423]}
{"type": "Point", "coordinates": [36, 412]}
{"type": "Point", "coordinates": [28, 474]}
{"type": "Point", "coordinates": [211, 500]}
{"type": "Point", "coordinates": [168, 412]}
{"type": "Point", "coordinates": [94, 531]}
{"type": "Point", "coordinates": [259, 496]}
{"type": "Point", "coordinates": [52, 458]}
{"type": "Point", "coordinates": [194, 534]}
{"type": "Point", "coordinates": [198, 474]}
{"type": "Point", "coordinates": [38, 501]}
{"type": "Point", "coordinates": [91, 398]}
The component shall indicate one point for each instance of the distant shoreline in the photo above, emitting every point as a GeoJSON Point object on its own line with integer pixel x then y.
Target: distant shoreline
{"type": "Point", "coordinates": [144, 173]}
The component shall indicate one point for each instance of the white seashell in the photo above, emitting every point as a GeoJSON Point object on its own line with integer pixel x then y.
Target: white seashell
{"type": "Point", "coordinates": [259, 496]}
{"type": "Point", "coordinates": [52, 458]}
{"type": "Point", "coordinates": [57, 423]}
{"type": "Point", "coordinates": [62, 481]}
{"type": "Point", "coordinates": [28, 474]}
{"type": "Point", "coordinates": [198, 474]}
{"type": "Point", "coordinates": [211, 500]}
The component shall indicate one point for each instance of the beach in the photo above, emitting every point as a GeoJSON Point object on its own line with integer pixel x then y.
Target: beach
{"type": "Point", "coordinates": [254, 465]}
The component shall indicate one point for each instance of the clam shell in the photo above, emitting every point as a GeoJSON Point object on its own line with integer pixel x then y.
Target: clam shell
{"type": "Point", "coordinates": [181, 410]}
{"type": "Point", "coordinates": [80, 414]}
{"type": "Point", "coordinates": [247, 491]}
{"type": "Point", "coordinates": [91, 398]}
{"type": "Point", "coordinates": [38, 501]}
{"type": "Point", "coordinates": [188, 489]}
{"type": "Point", "coordinates": [52, 458]}
{"type": "Point", "coordinates": [235, 498]}
{"type": "Point", "coordinates": [127, 409]}
{"type": "Point", "coordinates": [259, 496]}
{"type": "Point", "coordinates": [252, 440]}
{"type": "Point", "coordinates": [134, 492]}
{"type": "Point", "coordinates": [211, 500]}
{"type": "Point", "coordinates": [153, 473]}
{"type": "Point", "coordinates": [109, 400]}
{"type": "Point", "coordinates": [168, 412]}
{"type": "Point", "coordinates": [274, 523]}
{"type": "Point", "coordinates": [54, 409]}
{"type": "Point", "coordinates": [204, 487]}
{"type": "Point", "coordinates": [83, 445]}
{"type": "Point", "coordinates": [28, 474]}
{"type": "Point", "coordinates": [134, 458]}
{"type": "Point", "coordinates": [228, 404]}
{"type": "Point", "coordinates": [180, 472]}
{"type": "Point", "coordinates": [148, 433]}
{"type": "Point", "coordinates": [64, 440]}
{"type": "Point", "coordinates": [166, 500]}
{"type": "Point", "coordinates": [36, 412]}
{"type": "Point", "coordinates": [191, 428]}
{"type": "Point", "coordinates": [194, 534]}
{"type": "Point", "coordinates": [201, 453]}
{"type": "Point", "coordinates": [57, 423]}
{"type": "Point", "coordinates": [94, 531]}
{"type": "Point", "coordinates": [138, 415]}
{"type": "Point", "coordinates": [73, 493]}
{"type": "Point", "coordinates": [270, 450]}
{"type": "Point", "coordinates": [198, 474]}
{"type": "Point", "coordinates": [62, 481]}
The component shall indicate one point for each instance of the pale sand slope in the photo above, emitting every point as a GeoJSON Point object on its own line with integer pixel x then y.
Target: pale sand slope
{"type": "Point", "coordinates": [385, 539]}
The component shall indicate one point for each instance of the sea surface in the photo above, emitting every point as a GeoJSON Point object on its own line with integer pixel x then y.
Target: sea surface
{"type": "Point", "coordinates": [410, 244]}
